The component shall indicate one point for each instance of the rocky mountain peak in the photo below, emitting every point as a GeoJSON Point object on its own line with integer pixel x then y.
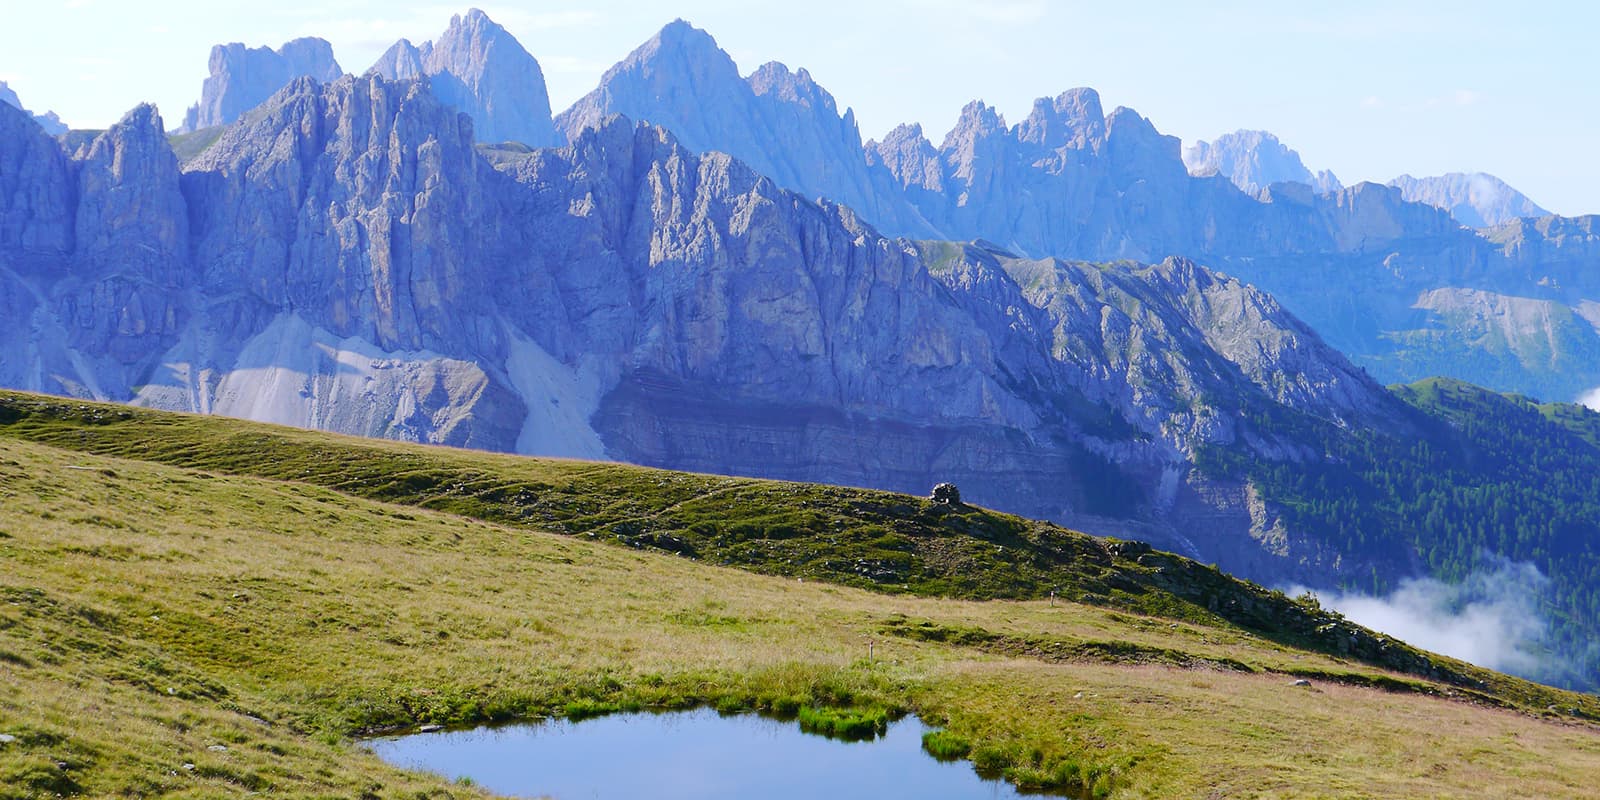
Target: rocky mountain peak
{"type": "Point", "coordinates": [243, 77]}
{"type": "Point", "coordinates": [403, 61]}
{"type": "Point", "coordinates": [978, 120]}
{"type": "Point", "coordinates": [1130, 125]}
{"type": "Point", "coordinates": [471, 41]}
{"type": "Point", "coordinates": [1254, 160]}
{"type": "Point", "coordinates": [1071, 119]}
{"type": "Point", "coordinates": [975, 147]}
{"type": "Point", "coordinates": [775, 79]}
{"type": "Point", "coordinates": [679, 39]}
{"type": "Point", "coordinates": [908, 155]}
{"type": "Point", "coordinates": [778, 121]}
{"type": "Point", "coordinates": [1372, 215]}
{"type": "Point", "coordinates": [51, 122]}
{"type": "Point", "coordinates": [679, 64]}
{"type": "Point", "coordinates": [1272, 348]}
{"type": "Point", "coordinates": [478, 68]}
{"type": "Point", "coordinates": [1137, 149]}
{"type": "Point", "coordinates": [312, 56]}
{"type": "Point", "coordinates": [1476, 199]}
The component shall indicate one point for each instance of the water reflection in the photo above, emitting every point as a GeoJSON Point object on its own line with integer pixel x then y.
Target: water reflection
{"type": "Point", "coordinates": [689, 754]}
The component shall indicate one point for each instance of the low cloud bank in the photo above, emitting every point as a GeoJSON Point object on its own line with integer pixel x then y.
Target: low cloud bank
{"type": "Point", "coordinates": [1491, 619]}
{"type": "Point", "coordinates": [1591, 398]}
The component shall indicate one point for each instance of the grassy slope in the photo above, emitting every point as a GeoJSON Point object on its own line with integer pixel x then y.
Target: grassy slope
{"type": "Point", "coordinates": [150, 610]}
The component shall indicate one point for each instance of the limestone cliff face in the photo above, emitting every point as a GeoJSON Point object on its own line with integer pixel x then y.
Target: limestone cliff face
{"type": "Point", "coordinates": [243, 77]}
{"type": "Point", "coordinates": [480, 69]}
{"type": "Point", "coordinates": [355, 206]}
{"type": "Point", "coordinates": [35, 192]}
{"type": "Point", "coordinates": [95, 255]}
{"type": "Point", "coordinates": [131, 216]}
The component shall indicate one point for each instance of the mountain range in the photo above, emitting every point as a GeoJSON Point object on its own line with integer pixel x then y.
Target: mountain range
{"type": "Point", "coordinates": [1073, 181]}
{"type": "Point", "coordinates": [1254, 160]}
{"type": "Point", "coordinates": [715, 273]}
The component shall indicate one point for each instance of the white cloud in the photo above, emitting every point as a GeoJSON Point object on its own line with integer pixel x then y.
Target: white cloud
{"type": "Point", "coordinates": [1492, 618]}
{"type": "Point", "coordinates": [1591, 398]}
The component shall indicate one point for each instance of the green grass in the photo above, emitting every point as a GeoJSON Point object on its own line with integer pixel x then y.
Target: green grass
{"type": "Point", "coordinates": [189, 146]}
{"type": "Point", "coordinates": [945, 746]}
{"type": "Point", "coordinates": [169, 584]}
{"type": "Point", "coordinates": [877, 540]}
{"type": "Point", "coordinates": [844, 723]}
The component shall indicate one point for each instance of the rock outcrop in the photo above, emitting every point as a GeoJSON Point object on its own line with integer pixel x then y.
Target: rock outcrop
{"type": "Point", "coordinates": [480, 69]}
{"type": "Point", "coordinates": [243, 77]}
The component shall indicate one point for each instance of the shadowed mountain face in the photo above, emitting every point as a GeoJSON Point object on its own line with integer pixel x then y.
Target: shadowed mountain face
{"type": "Point", "coordinates": [244, 77]}
{"type": "Point", "coordinates": [478, 68]}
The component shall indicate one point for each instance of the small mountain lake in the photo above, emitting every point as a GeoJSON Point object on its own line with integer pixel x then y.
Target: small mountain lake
{"type": "Point", "coordinates": [687, 754]}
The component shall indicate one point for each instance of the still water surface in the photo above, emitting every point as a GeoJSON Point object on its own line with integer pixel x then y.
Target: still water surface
{"type": "Point", "coordinates": [688, 754]}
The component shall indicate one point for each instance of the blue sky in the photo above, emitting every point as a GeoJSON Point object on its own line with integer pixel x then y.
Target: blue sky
{"type": "Point", "coordinates": [1367, 89]}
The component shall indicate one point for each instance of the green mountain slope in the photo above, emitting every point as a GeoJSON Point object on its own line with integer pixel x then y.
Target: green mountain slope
{"type": "Point", "coordinates": [1491, 476]}
{"type": "Point", "coordinates": [172, 585]}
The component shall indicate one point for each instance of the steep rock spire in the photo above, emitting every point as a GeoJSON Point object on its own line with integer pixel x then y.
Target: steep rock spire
{"type": "Point", "coordinates": [477, 67]}
{"type": "Point", "coordinates": [243, 77]}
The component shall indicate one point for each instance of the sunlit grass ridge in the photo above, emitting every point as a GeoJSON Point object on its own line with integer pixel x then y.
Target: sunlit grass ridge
{"type": "Point", "coordinates": [171, 585]}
